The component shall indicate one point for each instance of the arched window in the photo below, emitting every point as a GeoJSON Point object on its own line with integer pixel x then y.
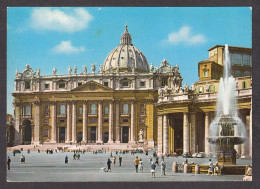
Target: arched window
{"type": "Point", "coordinates": [27, 110]}
{"type": "Point", "coordinates": [62, 109]}
{"type": "Point", "coordinates": [125, 109]}
{"type": "Point", "coordinates": [246, 73]}
{"type": "Point", "coordinates": [93, 109]}
{"type": "Point", "coordinates": [206, 73]}
{"type": "Point", "coordinates": [238, 73]}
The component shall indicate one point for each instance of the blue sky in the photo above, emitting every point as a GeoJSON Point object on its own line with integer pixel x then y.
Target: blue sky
{"type": "Point", "coordinates": [61, 37]}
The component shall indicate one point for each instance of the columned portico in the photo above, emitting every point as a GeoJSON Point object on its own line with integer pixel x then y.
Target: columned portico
{"type": "Point", "coordinates": [68, 129]}
{"type": "Point", "coordinates": [53, 116]}
{"type": "Point", "coordinates": [74, 121]}
{"type": "Point", "coordinates": [17, 133]}
{"type": "Point", "coordinates": [186, 132]}
{"type": "Point", "coordinates": [165, 134]}
{"type": "Point", "coordinates": [207, 120]}
{"type": "Point", "coordinates": [117, 121]}
{"type": "Point", "coordinates": [111, 115]}
{"type": "Point", "coordinates": [85, 122]}
{"type": "Point", "coordinates": [100, 122]}
{"type": "Point", "coordinates": [132, 122]}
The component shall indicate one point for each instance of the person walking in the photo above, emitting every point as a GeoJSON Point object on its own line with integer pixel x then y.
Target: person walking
{"type": "Point", "coordinates": [78, 156]}
{"type": "Point", "coordinates": [74, 156]}
{"type": "Point", "coordinates": [163, 167]}
{"type": "Point", "coordinates": [66, 159]}
{"type": "Point", "coordinates": [136, 163]}
{"type": "Point", "coordinates": [153, 166]}
{"type": "Point", "coordinates": [22, 159]}
{"type": "Point", "coordinates": [211, 168]}
{"type": "Point", "coordinates": [141, 166]}
{"type": "Point", "coordinates": [8, 162]}
{"type": "Point", "coordinates": [114, 160]}
{"type": "Point", "coordinates": [109, 165]}
{"type": "Point", "coordinates": [120, 160]}
{"type": "Point", "coordinates": [150, 160]}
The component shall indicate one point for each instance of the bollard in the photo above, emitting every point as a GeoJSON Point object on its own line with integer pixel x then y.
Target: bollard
{"type": "Point", "coordinates": [185, 168]}
{"type": "Point", "coordinates": [175, 167]}
{"type": "Point", "coordinates": [197, 169]}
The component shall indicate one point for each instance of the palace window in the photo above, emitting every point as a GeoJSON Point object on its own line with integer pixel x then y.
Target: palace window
{"type": "Point", "coordinates": [106, 110]}
{"type": "Point", "coordinates": [46, 111]}
{"type": "Point", "coordinates": [201, 89]}
{"type": "Point", "coordinates": [236, 59]}
{"type": "Point", "coordinates": [79, 120]}
{"type": "Point", "coordinates": [244, 85]}
{"type": "Point", "coordinates": [206, 73]}
{"type": "Point", "coordinates": [125, 120]}
{"type": "Point", "coordinates": [62, 85]}
{"type": "Point", "coordinates": [124, 83]}
{"type": "Point", "coordinates": [212, 88]}
{"type": "Point", "coordinates": [106, 84]}
{"type": "Point", "coordinates": [80, 110]}
{"type": "Point", "coordinates": [93, 120]}
{"type": "Point", "coordinates": [142, 109]}
{"type": "Point", "coordinates": [79, 84]}
{"type": "Point", "coordinates": [62, 109]}
{"type": "Point", "coordinates": [93, 109]}
{"type": "Point", "coordinates": [142, 84]}
{"type": "Point", "coordinates": [27, 110]}
{"type": "Point", "coordinates": [62, 121]}
{"type": "Point", "coordinates": [46, 86]}
{"type": "Point", "coordinates": [126, 109]}
{"type": "Point", "coordinates": [105, 120]}
{"type": "Point", "coordinates": [247, 59]}
{"type": "Point", "coordinates": [164, 82]}
{"type": "Point", "coordinates": [27, 84]}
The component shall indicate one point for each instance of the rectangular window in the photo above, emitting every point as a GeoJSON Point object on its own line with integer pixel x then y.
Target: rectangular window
{"type": "Point", "coordinates": [236, 59]}
{"type": "Point", "coordinates": [62, 109]}
{"type": "Point", "coordinates": [80, 110]}
{"type": "Point", "coordinates": [244, 85]}
{"type": "Point", "coordinates": [125, 109]}
{"type": "Point", "coordinates": [164, 82]}
{"type": "Point", "coordinates": [93, 109]}
{"type": "Point", "coordinates": [45, 133]}
{"type": "Point", "coordinates": [79, 120]}
{"type": "Point", "coordinates": [106, 110]}
{"type": "Point", "coordinates": [27, 110]}
{"type": "Point", "coordinates": [46, 86]}
{"type": "Point", "coordinates": [125, 120]}
{"type": "Point", "coordinates": [27, 84]}
{"type": "Point", "coordinates": [201, 89]}
{"type": "Point", "coordinates": [105, 120]}
{"type": "Point", "coordinates": [61, 85]}
{"type": "Point", "coordinates": [142, 120]}
{"type": "Point", "coordinates": [142, 109]}
{"type": "Point", "coordinates": [142, 84]}
{"type": "Point", "coordinates": [125, 83]}
{"type": "Point", "coordinates": [247, 59]}
{"type": "Point", "coordinates": [206, 73]}
{"type": "Point", "coordinates": [62, 121]}
{"type": "Point", "coordinates": [46, 111]}
{"type": "Point", "coordinates": [79, 84]}
{"type": "Point", "coordinates": [106, 84]}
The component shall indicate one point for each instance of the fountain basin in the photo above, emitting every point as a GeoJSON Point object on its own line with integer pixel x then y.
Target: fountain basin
{"type": "Point", "coordinates": [226, 140]}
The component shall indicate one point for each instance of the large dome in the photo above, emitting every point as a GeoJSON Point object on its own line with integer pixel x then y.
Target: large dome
{"type": "Point", "coordinates": [125, 57]}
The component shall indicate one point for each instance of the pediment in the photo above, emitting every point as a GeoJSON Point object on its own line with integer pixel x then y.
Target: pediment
{"type": "Point", "coordinates": [92, 86]}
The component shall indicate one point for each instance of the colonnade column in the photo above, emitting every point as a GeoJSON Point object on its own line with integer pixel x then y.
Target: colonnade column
{"type": "Point", "coordinates": [246, 143]}
{"type": "Point", "coordinates": [186, 133]}
{"type": "Point", "coordinates": [193, 133]}
{"type": "Point", "coordinates": [165, 134]}
{"type": "Point", "coordinates": [110, 140]}
{"type": "Point", "coordinates": [117, 121]}
{"type": "Point", "coordinates": [74, 121]}
{"type": "Point", "coordinates": [85, 122]}
{"type": "Point", "coordinates": [250, 134]}
{"type": "Point", "coordinates": [17, 134]}
{"type": "Point", "coordinates": [68, 129]}
{"type": "Point", "coordinates": [207, 145]}
{"type": "Point", "coordinates": [100, 122]}
{"type": "Point", "coordinates": [132, 121]}
{"type": "Point", "coordinates": [36, 118]}
{"type": "Point", "coordinates": [53, 121]}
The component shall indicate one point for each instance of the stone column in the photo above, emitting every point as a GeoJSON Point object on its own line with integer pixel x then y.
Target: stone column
{"type": "Point", "coordinates": [74, 122]}
{"type": "Point", "coordinates": [117, 121]}
{"type": "Point", "coordinates": [132, 121]}
{"type": "Point", "coordinates": [53, 121]}
{"type": "Point", "coordinates": [110, 140]}
{"type": "Point", "coordinates": [250, 134]}
{"type": "Point", "coordinates": [193, 133]}
{"type": "Point", "coordinates": [186, 133]}
{"type": "Point", "coordinates": [160, 133]}
{"type": "Point", "coordinates": [68, 129]}
{"type": "Point", "coordinates": [85, 122]}
{"type": "Point", "coordinates": [36, 118]}
{"type": "Point", "coordinates": [165, 134]}
{"type": "Point", "coordinates": [100, 122]}
{"type": "Point", "coordinates": [17, 134]}
{"type": "Point", "coordinates": [207, 145]}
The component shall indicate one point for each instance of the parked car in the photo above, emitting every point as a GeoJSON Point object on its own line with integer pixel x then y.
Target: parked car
{"type": "Point", "coordinates": [139, 151]}
{"type": "Point", "coordinates": [194, 155]}
{"type": "Point", "coordinates": [17, 151]}
{"type": "Point", "coordinates": [186, 155]}
{"type": "Point", "coordinates": [174, 154]}
{"type": "Point", "coordinates": [243, 156]}
{"type": "Point", "coordinates": [201, 155]}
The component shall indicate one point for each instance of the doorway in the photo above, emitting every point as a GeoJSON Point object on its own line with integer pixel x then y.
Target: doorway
{"type": "Point", "coordinates": [27, 132]}
{"type": "Point", "coordinates": [125, 134]}
{"type": "Point", "coordinates": [93, 133]}
{"type": "Point", "coordinates": [61, 134]}
{"type": "Point", "coordinates": [105, 140]}
{"type": "Point", "coordinates": [79, 138]}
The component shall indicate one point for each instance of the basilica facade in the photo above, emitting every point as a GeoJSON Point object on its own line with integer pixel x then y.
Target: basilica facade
{"type": "Point", "coordinates": [127, 101]}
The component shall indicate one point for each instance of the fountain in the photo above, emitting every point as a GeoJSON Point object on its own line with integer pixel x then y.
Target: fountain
{"type": "Point", "coordinates": [227, 129]}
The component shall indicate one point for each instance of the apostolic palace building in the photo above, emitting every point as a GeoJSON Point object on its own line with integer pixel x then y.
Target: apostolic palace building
{"type": "Point", "coordinates": [129, 101]}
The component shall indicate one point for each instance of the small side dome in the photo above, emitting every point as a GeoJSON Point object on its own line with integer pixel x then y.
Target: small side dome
{"type": "Point", "coordinates": [125, 57]}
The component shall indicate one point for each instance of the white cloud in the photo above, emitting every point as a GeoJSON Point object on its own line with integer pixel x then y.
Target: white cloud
{"type": "Point", "coordinates": [184, 35]}
{"type": "Point", "coordinates": [65, 47]}
{"type": "Point", "coordinates": [57, 20]}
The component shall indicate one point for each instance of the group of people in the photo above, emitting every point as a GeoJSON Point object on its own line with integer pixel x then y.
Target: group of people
{"type": "Point", "coordinates": [213, 170]}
